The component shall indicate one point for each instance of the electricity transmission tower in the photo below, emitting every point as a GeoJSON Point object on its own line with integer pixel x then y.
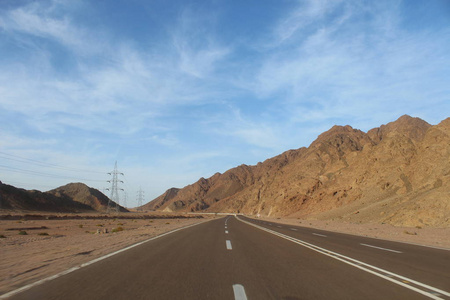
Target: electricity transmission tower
{"type": "Point", "coordinates": [125, 198]}
{"type": "Point", "coordinates": [114, 197]}
{"type": "Point", "coordinates": [140, 197]}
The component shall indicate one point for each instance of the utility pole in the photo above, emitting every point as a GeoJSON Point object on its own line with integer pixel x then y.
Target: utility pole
{"type": "Point", "coordinates": [140, 198]}
{"type": "Point", "coordinates": [114, 197]}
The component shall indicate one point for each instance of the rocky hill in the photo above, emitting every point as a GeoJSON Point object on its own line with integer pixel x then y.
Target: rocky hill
{"type": "Point", "coordinates": [398, 173]}
{"type": "Point", "coordinates": [73, 197]}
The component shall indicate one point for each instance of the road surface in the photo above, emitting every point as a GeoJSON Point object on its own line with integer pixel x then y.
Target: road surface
{"type": "Point", "coordinates": [240, 258]}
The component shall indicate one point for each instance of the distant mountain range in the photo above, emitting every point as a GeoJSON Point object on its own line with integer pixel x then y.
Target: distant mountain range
{"type": "Point", "coordinates": [73, 197]}
{"type": "Point", "coordinates": [398, 173]}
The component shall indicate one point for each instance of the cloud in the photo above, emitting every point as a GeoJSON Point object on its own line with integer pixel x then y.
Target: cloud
{"type": "Point", "coordinates": [107, 77]}
{"type": "Point", "coordinates": [194, 40]}
{"type": "Point", "coordinates": [306, 13]}
{"type": "Point", "coordinates": [346, 67]}
{"type": "Point", "coordinates": [49, 20]}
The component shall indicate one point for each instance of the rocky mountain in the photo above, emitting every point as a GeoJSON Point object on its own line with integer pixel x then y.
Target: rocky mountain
{"type": "Point", "coordinates": [81, 193]}
{"type": "Point", "coordinates": [398, 173]}
{"type": "Point", "coordinates": [73, 197]}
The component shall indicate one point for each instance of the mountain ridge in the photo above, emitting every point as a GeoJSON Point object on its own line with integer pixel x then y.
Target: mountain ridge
{"type": "Point", "coordinates": [344, 174]}
{"type": "Point", "coordinates": [72, 197]}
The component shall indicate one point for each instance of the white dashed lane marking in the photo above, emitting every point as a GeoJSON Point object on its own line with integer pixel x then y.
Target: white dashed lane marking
{"type": "Point", "coordinates": [239, 292]}
{"type": "Point", "coordinates": [226, 231]}
{"type": "Point", "coordinates": [228, 243]}
{"type": "Point", "coordinates": [293, 229]}
{"type": "Point", "coordinates": [318, 234]}
{"type": "Point", "coordinates": [385, 249]}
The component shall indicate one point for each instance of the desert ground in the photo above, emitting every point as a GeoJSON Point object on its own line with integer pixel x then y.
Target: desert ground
{"type": "Point", "coordinates": [54, 244]}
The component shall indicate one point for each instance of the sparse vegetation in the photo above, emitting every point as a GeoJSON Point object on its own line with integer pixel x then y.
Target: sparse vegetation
{"type": "Point", "coordinates": [120, 224]}
{"type": "Point", "coordinates": [410, 233]}
{"type": "Point", "coordinates": [81, 225]}
{"type": "Point", "coordinates": [23, 232]}
{"type": "Point", "coordinates": [100, 225]}
{"type": "Point", "coordinates": [117, 229]}
{"type": "Point", "coordinates": [2, 236]}
{"type": "Point", "coordinates": [167, 223]}
{"type": "Point", "coordinates": [43, 233]}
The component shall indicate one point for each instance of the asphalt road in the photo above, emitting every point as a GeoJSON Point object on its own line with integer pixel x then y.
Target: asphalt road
{"type": "Point", "coordinates": [231, 258]}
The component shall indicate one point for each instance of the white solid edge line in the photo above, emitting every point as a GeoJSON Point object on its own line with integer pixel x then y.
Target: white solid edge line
{"type": "Point", "coordinates": [318, 234]}
{"type": "Point", "coordinates": [384, 239]}
{"type": "Point", "coordinates": [386, 249]}
{"type": "Point", "coordinates": [28, 286]}
{"type": "Point", "coordinates": [359, 264]}
{"type": "Point", "coordinates": [239, 292]}
{"type": "Point", "coordinates": [228, 243]}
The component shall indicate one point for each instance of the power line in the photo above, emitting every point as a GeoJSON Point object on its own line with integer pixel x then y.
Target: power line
{"type": "Point", "coordinates": [30, 172]}
{"type": "Point", "coordinates": [45, 164]}
{"type": "Point", "coordinates": [26, 183]}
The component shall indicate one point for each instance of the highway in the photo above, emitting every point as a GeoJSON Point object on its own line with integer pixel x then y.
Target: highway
{"type": "Point", "coordinates": [240, 258]}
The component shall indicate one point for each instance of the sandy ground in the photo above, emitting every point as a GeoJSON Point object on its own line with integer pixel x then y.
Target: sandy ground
{"type": "Point", "coordinates": [53, 246]}
{"type": "Point", "coordinates": [427, 236]}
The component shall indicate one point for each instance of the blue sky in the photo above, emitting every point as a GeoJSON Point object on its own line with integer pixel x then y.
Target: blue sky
{"type": "Point", "coordinates": [178, 90]}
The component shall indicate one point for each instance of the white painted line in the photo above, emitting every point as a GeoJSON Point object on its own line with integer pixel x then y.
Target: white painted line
{"type": "Point", "coordinates": [293, 229]}
{"type": "Point", "coordinates": [228, 242]}
{"type": "Point", "coordinates": [427, 290]}
{"type": "Point", "coordinates": [382, 248]}
{"type": "Point", "coordinates": [239, 292]}
{"type": "Point", "coordinates": [318, 234]}
{"type": "Point", "coordinates": [226, 231]}
{"type": "Point", "coordinates": [279, 226]}
{"type": "Point", "coordinates": [29, 286]}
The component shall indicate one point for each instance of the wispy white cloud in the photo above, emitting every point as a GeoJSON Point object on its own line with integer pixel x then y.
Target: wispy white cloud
{"type": "Point", "coordinates": [307, 13]}
{"type": "Point", "coordinates": [198, 51]}
{"type": "Point", "coordinates": [348, 67]}
{"type": "Point", "coordinates": [108, 77]}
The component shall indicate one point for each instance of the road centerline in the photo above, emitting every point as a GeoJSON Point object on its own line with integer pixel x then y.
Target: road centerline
{"type": "Point", "coordinates": [318, 234]}
{"type": "Point", "coordinates": [239, 292]}
{"type": "Point", "coordinates": [228, 243]}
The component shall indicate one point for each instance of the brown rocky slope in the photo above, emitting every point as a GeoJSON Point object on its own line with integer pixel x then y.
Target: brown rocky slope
{"type": "Point", "coordinates": [398, 173]}
{"type": "Point", "coordinates": [73, 197]}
